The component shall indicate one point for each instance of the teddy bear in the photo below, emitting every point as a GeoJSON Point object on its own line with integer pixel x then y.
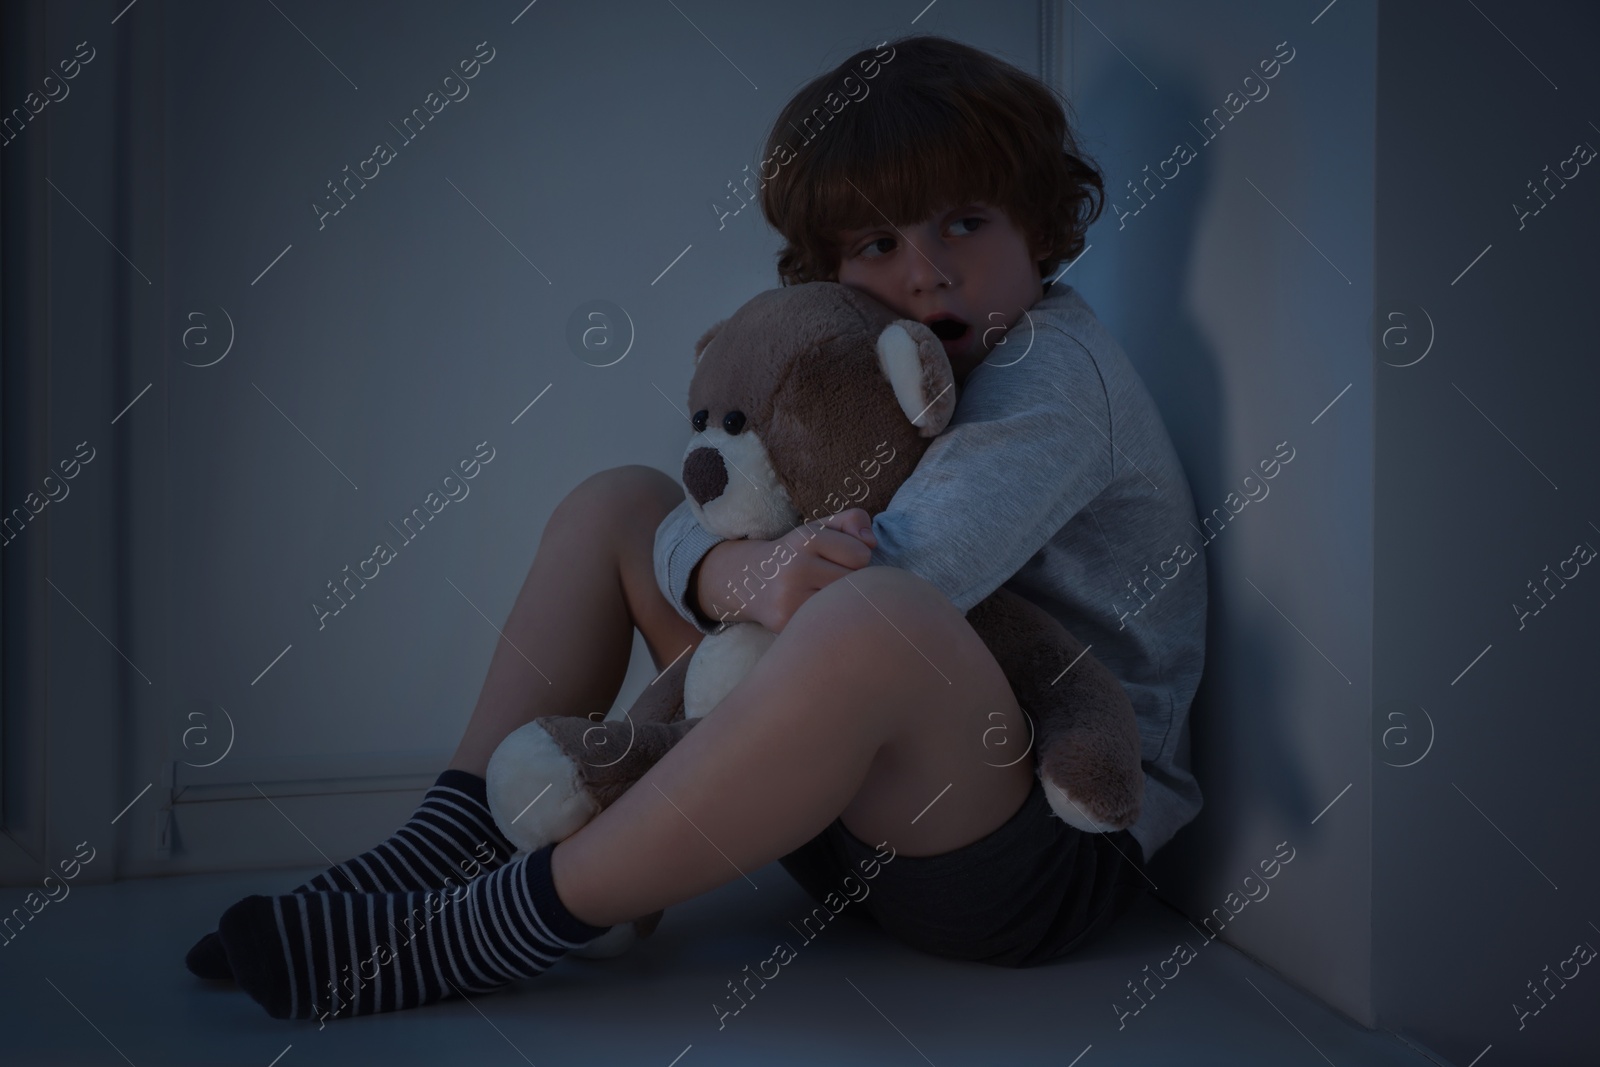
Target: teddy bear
{"type": "Point", "coordinates": [802, 397]}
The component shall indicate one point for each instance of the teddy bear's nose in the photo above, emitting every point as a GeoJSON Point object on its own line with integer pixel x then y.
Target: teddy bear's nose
{"type": "Point", "coordinates": [704, 475]}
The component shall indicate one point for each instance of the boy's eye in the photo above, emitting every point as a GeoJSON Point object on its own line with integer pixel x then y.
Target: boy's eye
{"type": "Point", "coordinates": [972, 222]}
{"type": "Point", "coordinates": [873, 244]}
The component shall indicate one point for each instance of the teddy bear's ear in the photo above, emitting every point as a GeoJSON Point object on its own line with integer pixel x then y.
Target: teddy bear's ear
{"type": "Point", "coordinates": [705, 339]}
{"type": "Point", "coordinates": [911, 357]}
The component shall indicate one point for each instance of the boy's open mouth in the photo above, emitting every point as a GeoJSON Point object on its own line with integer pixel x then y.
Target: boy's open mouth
{"type": "Point", "coordinates": [947, 328]}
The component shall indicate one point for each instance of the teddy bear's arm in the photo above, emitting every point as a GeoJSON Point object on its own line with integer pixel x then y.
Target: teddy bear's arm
{"type": "Point", "coordinates": [1086, 737]}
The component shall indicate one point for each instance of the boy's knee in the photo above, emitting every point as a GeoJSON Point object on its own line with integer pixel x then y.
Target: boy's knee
{"type": "Point", "coordinates": [887, 587]}
{"type": "Point", "coordinates": [631, 481]}
{"type": "Point", "coordinates": [877, 601]}
{"type": "Point", "coordinates": [624, 494]}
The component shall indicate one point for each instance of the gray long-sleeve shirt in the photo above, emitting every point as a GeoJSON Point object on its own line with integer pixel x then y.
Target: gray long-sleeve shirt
{"type": "Point", "coordinates": [1055, 478]}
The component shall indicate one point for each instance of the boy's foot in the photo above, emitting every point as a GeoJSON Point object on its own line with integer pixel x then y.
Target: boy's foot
{"type": "Point", "coordinates": [451, 838]}
{"type": "Point", "coordinates": [321, 955]}
{"type": "Point", "coordinates": [206, 959]}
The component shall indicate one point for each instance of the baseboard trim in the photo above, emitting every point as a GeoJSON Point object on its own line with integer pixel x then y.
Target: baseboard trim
{"type": "Point", "coordinates": [295, 775]}
{"type": "Point", "coordinates": [268, 813]}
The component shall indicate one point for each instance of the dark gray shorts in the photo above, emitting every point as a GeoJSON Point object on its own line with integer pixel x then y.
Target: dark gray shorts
{"type": "Point", "coordinates": [1031, 891]}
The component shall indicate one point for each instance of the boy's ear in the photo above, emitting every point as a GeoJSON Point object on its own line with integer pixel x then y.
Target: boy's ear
{"type": "Point", "coordinates": [914, 362]}
{"type": "Point", "coordinates": [705, 339]}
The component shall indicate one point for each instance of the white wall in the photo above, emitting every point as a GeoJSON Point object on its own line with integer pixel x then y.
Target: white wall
{"type": "Point", "coordinates": [1484, 870]}
{"type": "Point", "coordinates": [1242, 292]}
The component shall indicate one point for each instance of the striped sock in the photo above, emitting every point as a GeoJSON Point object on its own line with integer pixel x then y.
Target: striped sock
{"type": "Point", "coordinates": [329, 955]}
{"type": "Point", "coordinates": [450, 838]}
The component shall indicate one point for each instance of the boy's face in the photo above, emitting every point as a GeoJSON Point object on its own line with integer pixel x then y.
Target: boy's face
{"type": "Point", "coordinates": [969, 262]}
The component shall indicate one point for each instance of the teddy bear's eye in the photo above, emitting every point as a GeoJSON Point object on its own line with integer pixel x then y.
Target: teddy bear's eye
{"type": "Point", "coordinates": [733, 422]}
{"type": "Point", "coordinates": [699, 421]}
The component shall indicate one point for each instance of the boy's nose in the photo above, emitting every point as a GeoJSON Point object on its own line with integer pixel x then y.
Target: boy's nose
{"type": "Point", "coordinates": [928, 267]}
{"type": "Point", "coordinates": [704, 475]}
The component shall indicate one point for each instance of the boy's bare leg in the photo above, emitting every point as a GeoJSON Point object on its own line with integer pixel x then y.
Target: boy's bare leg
{"type": "Point", "coordinates": [592, 581]}
{"type": "Point", "coordinates": [873, 703]}
{"type": "Point", "coordinates": [873, 700]}
{"type": "Point", "coordinates": [565, 647]}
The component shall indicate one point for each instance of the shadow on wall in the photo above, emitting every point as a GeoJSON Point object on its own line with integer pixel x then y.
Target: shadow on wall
{"type": "Point", "coordinates": [1145, 247]}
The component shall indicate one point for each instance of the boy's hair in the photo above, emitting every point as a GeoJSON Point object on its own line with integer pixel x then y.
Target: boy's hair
{"type": "Point", "coordinates": [942, 124]}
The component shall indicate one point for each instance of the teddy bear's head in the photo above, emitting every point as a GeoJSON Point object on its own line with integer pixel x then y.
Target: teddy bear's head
{"type": "Point", "coordinates": [808, 400]}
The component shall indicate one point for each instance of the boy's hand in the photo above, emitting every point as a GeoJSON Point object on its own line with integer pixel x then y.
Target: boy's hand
{"type": "Point", "coordinates": [771, 591]}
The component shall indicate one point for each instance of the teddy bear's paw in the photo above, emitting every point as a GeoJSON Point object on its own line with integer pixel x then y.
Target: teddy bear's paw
{"type": "Point", "coordinates": [720, 662]}
{"type": "Point", "coordinates": [620, 938]}
{"type": "Point", "coordinates": [1097, 797]}
{"type": "Point", "coordinates": [614, 942]}
{"type": "Point", "coordinates": [647, 925]}
{"type": "Point", "coordinates": [537, 792]}
{"type": "Point", "coordinates": [1076, 811]}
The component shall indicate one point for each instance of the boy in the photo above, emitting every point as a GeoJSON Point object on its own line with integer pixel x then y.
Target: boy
{"type": "Point", "coordinates": [1055, 477]}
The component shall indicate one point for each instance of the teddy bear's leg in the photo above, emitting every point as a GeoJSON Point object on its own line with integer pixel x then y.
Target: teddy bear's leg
{"type": "Point", "coordinates": [551, 776]}
{"type": "Point", "coordinates": [1086, 743]}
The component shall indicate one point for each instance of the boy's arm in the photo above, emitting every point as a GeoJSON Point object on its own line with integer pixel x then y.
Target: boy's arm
{"type": "Point", "coordinates": [681, 544]}
{"type": "Point", "coordinates": [1029, 446]}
